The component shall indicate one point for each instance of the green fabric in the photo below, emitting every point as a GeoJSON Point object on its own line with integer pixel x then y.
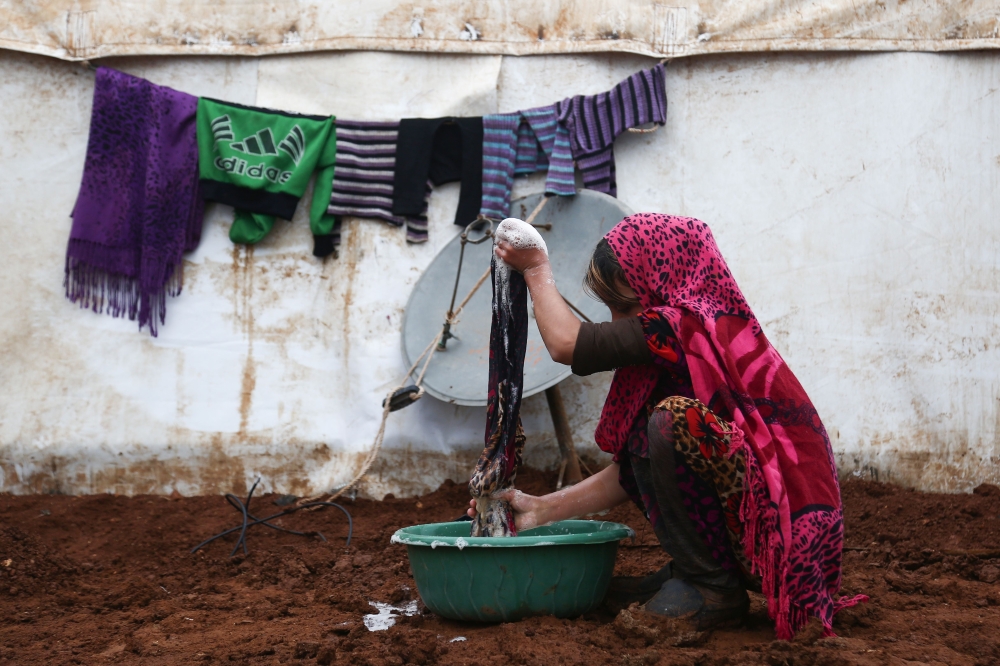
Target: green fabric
{"type": "Point", "coordinates": [250, 228]}
{"type": "Point", "coordinates": [320, 221]}
{"type": "Point", "coordinates": [258, 149]}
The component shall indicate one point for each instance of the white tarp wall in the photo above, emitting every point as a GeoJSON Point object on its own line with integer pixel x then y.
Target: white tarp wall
{"type": "Point", "coordinates": [81, 29]}
{"type": "Point", "coordinates": [854, 196]}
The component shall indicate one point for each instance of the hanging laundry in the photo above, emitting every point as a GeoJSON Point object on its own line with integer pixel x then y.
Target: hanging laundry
{"type": "Point", "coordinates": [553, 140]}
{"type": "Point", "coordinates": [438, 151]}
{"type": "Point", "coordinates": [523, 143]}
{"type": "Point", "coordinates": [138, 210]}
{"type": "Point", "coordinates": [500, 144]}
{"type": "Point", "coordinates": [363, 177]}
{"type": "Point", "coordinates": [259, 161]}
{"type": "Point", "coordinates": [593, 122]}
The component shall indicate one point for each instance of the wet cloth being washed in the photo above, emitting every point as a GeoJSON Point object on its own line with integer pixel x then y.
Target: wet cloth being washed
{"type": "Point", "coordinates": [138, 210]}
{"type": "Point", "coordinates": [498, 463]}
{"type": "Point", "coordinates": [707, 346]}
{"type": "Point", "coordinates": [259, 161]}
{"type": "Point", "coordinates": [363, 177]}
{"type": "Point", "coordinates": [438, 151]}
{"type": "Point", "coordinates": [594, 121]}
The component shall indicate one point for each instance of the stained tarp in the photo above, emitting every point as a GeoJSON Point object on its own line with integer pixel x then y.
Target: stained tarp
{"type": "Point", "coordinates": [87, 29]}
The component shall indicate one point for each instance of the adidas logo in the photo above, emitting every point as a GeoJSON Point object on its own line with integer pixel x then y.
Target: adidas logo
{"type": "Point", "coordinates": [261, 143]}
{"type": "Point", "coordinates": [222, 129]}
{"type": "Point", "coordinates": [294, 144]}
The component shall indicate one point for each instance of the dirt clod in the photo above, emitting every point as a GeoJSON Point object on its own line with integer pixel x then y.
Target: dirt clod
{"type": "Point", "coordinates": [305, 650]}
{"type": "Point", "coordinates": [628, 627]}
{"type": "Point", "coordinates": [987, 490]}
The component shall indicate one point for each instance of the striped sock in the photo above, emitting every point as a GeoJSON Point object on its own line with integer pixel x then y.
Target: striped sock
{"type": "Point", "coordinates": [523, 143]}
{"type": "Point", "coordinates": [594, 121]}
{"type": "Point", "coordinates": [500, 145]}
{"type": "Point", "coordinates": [554, 140]}
{"type": "Point", "coordinates": [362, 178]}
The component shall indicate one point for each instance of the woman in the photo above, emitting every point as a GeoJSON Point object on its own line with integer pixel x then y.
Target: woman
{"type": "Point", "coordinates": [712, 435]}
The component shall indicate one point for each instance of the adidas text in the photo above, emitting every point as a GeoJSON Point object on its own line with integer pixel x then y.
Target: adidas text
{"type": "Point", "coordinates": [257, 171]}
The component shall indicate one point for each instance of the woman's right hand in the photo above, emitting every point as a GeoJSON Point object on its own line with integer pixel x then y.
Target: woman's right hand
{"type": "Point", "coordinates": [521, 259]}
{"type": "Point", "coordinates": [528, 510]}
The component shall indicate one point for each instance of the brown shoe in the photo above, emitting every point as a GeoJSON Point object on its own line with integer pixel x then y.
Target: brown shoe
{"type": "Point", "coordinates": [626, 590]}
{"type": "Point", "coordinates": [704, 607]}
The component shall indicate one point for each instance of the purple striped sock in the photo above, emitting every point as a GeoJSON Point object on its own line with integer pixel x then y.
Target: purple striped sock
{"type": "Point", "coordinates": [362, 178]}
{"type": "Point", "coordinates": [594, 121]}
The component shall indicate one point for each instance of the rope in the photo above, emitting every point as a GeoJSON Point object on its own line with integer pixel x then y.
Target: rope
{"type": "Point", "coordinates": [538, 209]}
{"type": "Point", "coordinates": [451, 318]}
{"type": "Point", "coordinates": [380, 435]}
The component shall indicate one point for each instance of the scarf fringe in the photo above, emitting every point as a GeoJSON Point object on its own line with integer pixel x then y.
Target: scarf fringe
{"type": "Point", "coordinates": [762, 544]}
{"type": "Point", "coordinates": [120, 295]}
{"type": "Point", "coordinates": [763, 547]}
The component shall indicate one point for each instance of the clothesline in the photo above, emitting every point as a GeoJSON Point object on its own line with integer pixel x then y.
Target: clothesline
{"type": "Point", "coordinates": [260, 162]}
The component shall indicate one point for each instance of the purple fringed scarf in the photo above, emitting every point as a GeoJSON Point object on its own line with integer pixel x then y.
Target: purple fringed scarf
{"type": "Point", "coordinates": [139, 208]}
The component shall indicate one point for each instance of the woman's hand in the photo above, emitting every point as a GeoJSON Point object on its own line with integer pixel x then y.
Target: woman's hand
{"type": "Point", "coordinates": [594, 494]}
{"type": "Point", "coordinates": [556, 322]}
{"type": "Point", "coordinates": [529, 511]}
{"type": "Point", "coordinates": [521, 260]}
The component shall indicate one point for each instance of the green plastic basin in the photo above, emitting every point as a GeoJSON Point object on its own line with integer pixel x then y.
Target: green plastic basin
{"type": "Point", "coordinates": [562, 569]}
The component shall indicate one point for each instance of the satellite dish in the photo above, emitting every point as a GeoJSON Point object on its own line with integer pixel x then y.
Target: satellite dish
{"type": "Point", "coordinates": [459, 374]}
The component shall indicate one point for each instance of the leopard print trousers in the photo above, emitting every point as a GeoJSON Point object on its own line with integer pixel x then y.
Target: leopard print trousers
{"type": "Point", "coordinates": [703, 442]}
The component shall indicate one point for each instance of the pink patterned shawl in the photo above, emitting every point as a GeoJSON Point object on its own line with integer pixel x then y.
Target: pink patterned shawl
{"type": "Point", "coordinates": [792, 511]}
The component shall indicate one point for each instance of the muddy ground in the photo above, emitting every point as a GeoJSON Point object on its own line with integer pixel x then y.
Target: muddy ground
{"type": "Point", "coordinates": [106, 579]}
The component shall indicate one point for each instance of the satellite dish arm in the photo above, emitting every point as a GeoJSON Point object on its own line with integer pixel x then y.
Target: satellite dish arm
{"type": "Point", "coordinates": [446, 333]}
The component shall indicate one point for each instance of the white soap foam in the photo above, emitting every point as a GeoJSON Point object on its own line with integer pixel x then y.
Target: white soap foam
{"type": "Point", "coordinates": [387, 614]}
{"type": "Point", "coordinates": [520, 234]}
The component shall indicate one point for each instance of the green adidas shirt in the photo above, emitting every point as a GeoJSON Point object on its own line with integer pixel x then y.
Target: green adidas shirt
{"type": "Point", "coordinates": [259, 161]}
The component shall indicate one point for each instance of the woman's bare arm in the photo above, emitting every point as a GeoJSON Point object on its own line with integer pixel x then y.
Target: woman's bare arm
{"type": "Point", "coordinates": [594, 494]}
{"type": "Point", "coordinates": [556, 322]}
